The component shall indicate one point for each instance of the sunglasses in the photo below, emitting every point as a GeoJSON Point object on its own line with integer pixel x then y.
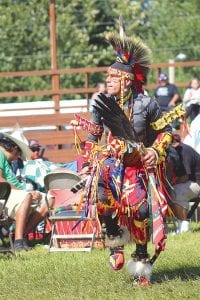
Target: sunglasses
{"type": "Point", "coordinates": [35, 149]}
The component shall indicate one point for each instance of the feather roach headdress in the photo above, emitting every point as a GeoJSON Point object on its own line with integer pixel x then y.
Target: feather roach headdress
{"type": "Point", "coordinates": [133, 57]}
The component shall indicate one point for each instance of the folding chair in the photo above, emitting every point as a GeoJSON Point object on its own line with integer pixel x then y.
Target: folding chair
{"type": "Point", "coordinates": [5, 223]}
{"type": "Point", "coordinates": [64, 215]}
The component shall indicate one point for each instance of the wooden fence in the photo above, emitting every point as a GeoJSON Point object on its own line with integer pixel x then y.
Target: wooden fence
{"type": "Point", "coordinates": [59, 141]}
{"type": "Point", "coordinates": [86, 89]}
{"type": "Point", "coordinates": [55, 135]}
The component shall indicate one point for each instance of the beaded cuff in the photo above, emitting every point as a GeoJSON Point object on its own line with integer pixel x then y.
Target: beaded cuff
{"type": "Point", "coordinates": [160, 145]}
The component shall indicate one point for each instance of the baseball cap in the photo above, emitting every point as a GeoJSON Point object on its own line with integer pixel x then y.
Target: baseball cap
{"type": "Point", "coordinates": [163, 76]}
{"type": "Point", "coordinates": [34, 144]}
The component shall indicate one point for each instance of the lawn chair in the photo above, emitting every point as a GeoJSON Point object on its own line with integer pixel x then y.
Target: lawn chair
{"type": "Point", "coordinates": [68, 223]}
{"type": "Point", "coordinates": [5, 223]}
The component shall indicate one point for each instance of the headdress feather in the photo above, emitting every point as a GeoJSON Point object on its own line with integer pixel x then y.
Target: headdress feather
{"type": "Point", "coordinates": [133, 52]}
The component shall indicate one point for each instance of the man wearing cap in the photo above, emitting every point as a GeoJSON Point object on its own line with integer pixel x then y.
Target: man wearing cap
{"type": "Point", "coordinates": [166, 93]}
{"type": "Point", "coordinates": [37, 150]}
{"type": "Point", "coordinates": [36, 153]}
{"type": "Point", "coordinates": [119, 178]}
{"type": "Point", "coordinates": [19, 204]}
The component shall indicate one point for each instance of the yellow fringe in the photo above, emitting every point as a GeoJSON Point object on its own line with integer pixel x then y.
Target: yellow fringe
{"type": "Point", "coordinates": [77, 141]}
{"type": "Point", "coordinates": [78, 208]}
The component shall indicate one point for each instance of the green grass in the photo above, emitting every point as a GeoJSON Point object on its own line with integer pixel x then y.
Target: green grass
{"type": "Point", "coordinates": [72, 275]}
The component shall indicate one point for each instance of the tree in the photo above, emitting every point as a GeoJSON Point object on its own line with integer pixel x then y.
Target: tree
{"type": "Point", "coordinates": [85, 23]}
{"type": "Point", "coordinates": [24, 35]}
{"type": "Point", "coordinates": [173, 27]}
{"type": "Point", "coordinates": [168, 28]}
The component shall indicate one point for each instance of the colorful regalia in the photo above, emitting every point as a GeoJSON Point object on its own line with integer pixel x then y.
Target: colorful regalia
{"type": "Point", "coordinates": [132, 200]}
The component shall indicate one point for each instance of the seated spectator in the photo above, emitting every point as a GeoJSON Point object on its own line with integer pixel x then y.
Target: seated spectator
{"type": "Point", "coordinates": [187, 187]}
{"type": "Point", "coordinates": [19, 204]}
{"type": "Point", "coordinates": [17, 166]}
{"type": "Point", "coordinates": [36, 153]}
{"type": "Point", "coordinates": [34, 171]}
{"type": "Point", "coordinates": [37, 150]}
{"type": "Point", "coordinates": [193, 137]}
{"type": "Point", "coordinates": [191, 99]}
{"type": "Point", "coordinates": [166, 93]}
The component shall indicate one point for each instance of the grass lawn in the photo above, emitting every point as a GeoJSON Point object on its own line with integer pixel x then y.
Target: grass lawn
{"type": "Point", "coordinates": [75, 275]}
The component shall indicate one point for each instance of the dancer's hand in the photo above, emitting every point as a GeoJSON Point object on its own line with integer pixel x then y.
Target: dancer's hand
{"type": "Point", "coordinates": [74, 123]}
{"type": "Point", "coordinates": [149, 158]}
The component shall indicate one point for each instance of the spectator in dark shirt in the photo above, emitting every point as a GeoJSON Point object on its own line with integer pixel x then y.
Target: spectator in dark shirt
{"type": "Point", "coordinates": [187, 187]}
{"type": "Point", "coordinates": [166, 93]}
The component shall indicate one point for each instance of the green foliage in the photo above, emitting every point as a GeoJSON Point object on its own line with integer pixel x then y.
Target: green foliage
{"type": "Point", "coordinates": [85, 23]}
{"type": "Point", "coordinates": [173, 27]}
{"type": "Point", "coordinates": [168, 27]}
{"type": "Point", "coordinates": [24, 35]}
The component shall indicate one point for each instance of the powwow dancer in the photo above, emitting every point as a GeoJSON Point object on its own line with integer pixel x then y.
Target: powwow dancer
{"type": "Point", "coordinates": [127, 174]}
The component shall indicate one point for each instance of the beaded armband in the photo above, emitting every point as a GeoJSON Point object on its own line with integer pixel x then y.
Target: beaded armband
{"type": "Point", "coordinates": [161, 143]}
{"type": "Point", "coordinates": [169, 117]}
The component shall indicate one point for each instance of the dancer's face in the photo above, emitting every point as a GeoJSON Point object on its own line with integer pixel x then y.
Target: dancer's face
{"type": "Point", "coordinates": [113, 83]}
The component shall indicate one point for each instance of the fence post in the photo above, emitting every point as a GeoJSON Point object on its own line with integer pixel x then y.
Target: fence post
{"type": "Point", "coordinates": [86, 86]}
{"type": "Point", "coordinates": [171, 71]}
{"type": "Point", "coordinates": [55, 79]}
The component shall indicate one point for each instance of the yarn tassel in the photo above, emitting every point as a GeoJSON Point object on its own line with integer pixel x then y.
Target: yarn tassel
{"type": "Point", "coordinates": [77, 140]}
